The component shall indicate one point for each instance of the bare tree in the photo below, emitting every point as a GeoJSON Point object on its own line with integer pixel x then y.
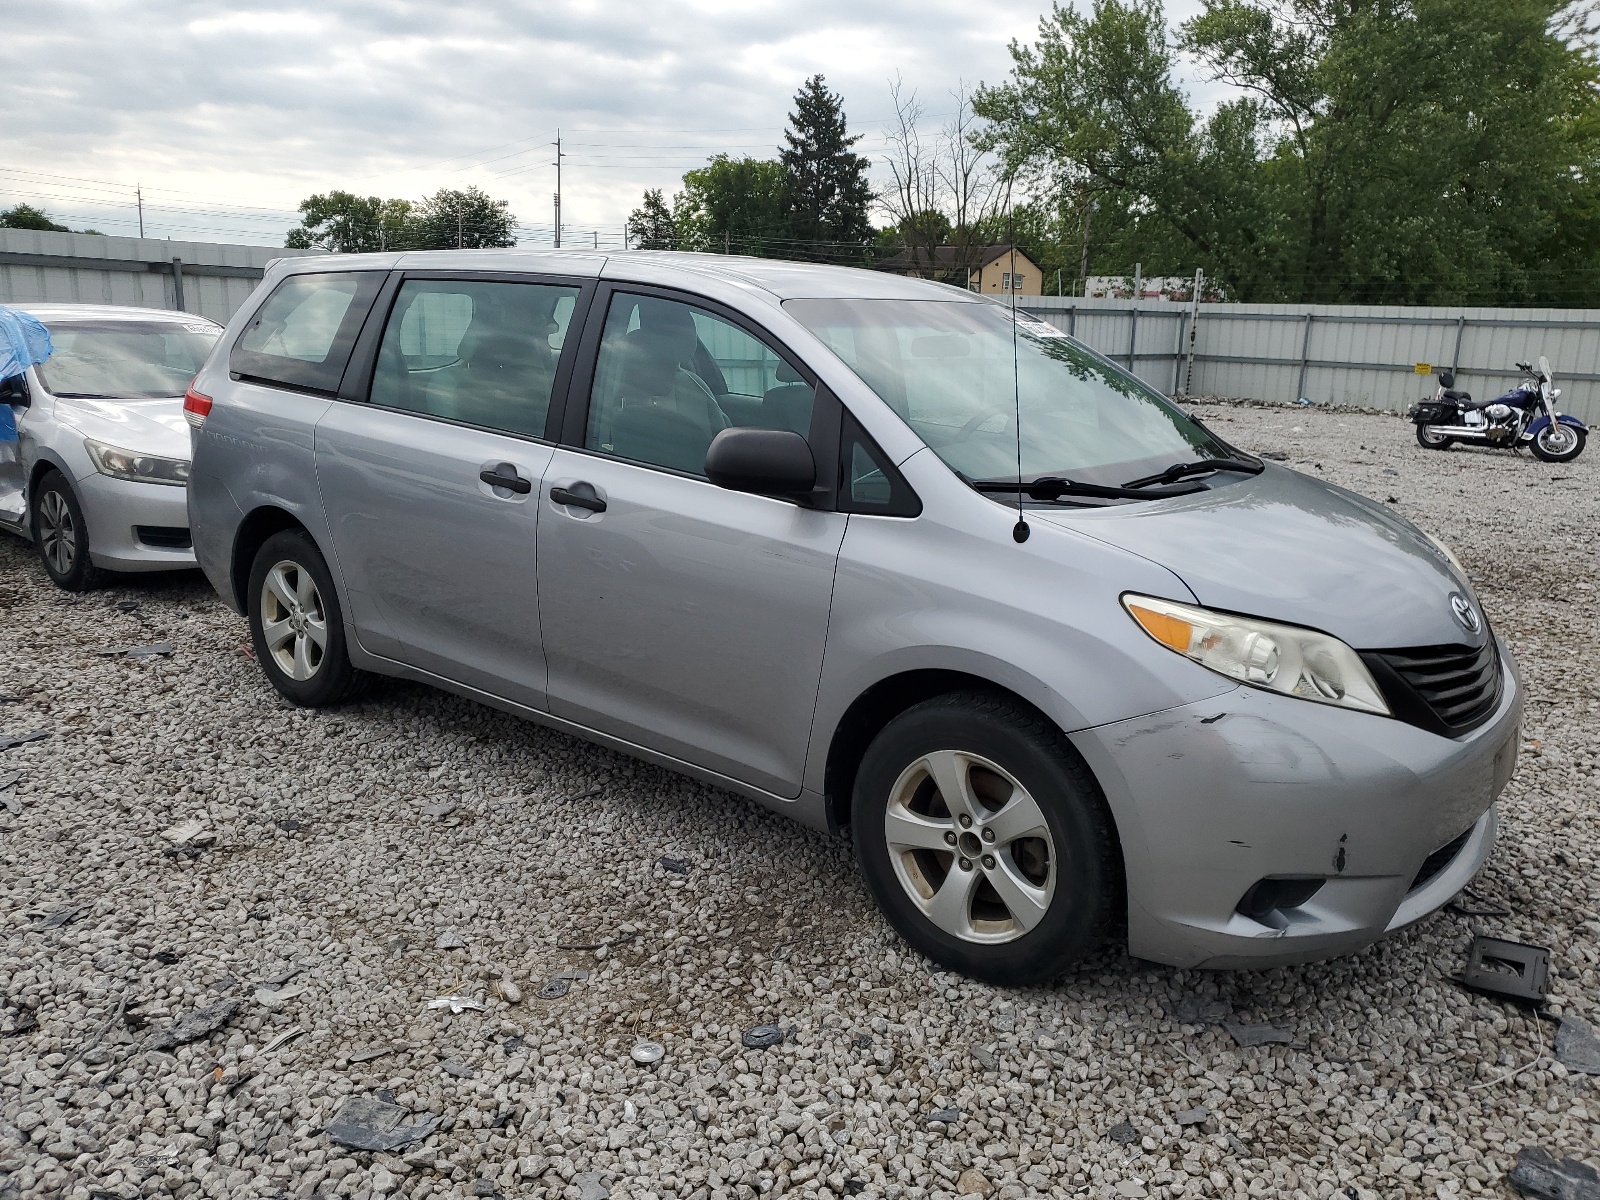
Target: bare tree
{"type": "Point", "coordinates": [948, 193]}
{"type": "Point", "coordinates": [913, 203]}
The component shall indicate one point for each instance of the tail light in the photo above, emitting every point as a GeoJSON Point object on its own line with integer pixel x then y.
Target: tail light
{"type": "Point", "coordinates": [196, 407]}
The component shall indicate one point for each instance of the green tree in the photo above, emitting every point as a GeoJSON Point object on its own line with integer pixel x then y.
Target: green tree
{"type": "Point", "coordinates": [1402, 151]}
{"type": "Point", "coordinates": [467, 219]}
{"type": "Point", "coordinates": [344, 223]}
{"type": "Point", "coordinates": [26, 216]}
{"type": "Point", "coordinates": [825, 193]}
{"type": "Point", "coordinates": [651, 226]}
{"type": "Point", "coordinates": [732, 203]}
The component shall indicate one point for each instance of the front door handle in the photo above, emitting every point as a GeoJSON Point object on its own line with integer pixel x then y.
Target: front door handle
{"type": "Point", "coordinates": [577, 499]}
{"type": "Point", "coordinates": [505, 476]}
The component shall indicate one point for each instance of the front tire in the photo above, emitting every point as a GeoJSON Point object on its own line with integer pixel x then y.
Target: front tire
{"type": "Point", "coordinates": [1429, 440]}
{"type": "Point", "coordinates": [1557, 443]}
{"type": "Point", "coordinates": [61, 535]}
{"type": "Point", "coordinates": [985, 840]}
{"type": "Point", "coordinates": [296, 624]}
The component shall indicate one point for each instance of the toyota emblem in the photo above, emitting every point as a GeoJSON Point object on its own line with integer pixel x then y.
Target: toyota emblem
{"type": "Point", "coordinates": [1466, 616]}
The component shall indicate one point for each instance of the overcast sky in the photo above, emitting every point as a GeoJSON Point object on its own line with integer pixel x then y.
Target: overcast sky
{"type": "Point", "coordinates": [229, 114]}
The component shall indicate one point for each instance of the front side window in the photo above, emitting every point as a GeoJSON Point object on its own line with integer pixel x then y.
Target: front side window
{"type": "Point", "coordinates": [481, 353]}
{"type": "Point", "coordinates": [302, 336]}
{"type": "Point", "coordinates": [959, 374]}
{"type": "Point", "coordinates": [670, 377]}
{"type": "Point", "coordinates": [97, 360]}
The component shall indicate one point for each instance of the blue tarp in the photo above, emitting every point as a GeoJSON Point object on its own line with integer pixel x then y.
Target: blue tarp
{"type": "Point", "coordinates": [23, 342]}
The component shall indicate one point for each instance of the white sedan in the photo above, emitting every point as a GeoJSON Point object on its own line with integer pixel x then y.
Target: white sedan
{"type": "Point", "coordinates": [98, 478]}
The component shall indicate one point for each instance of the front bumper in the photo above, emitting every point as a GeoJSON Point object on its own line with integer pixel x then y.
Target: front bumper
{"type": "Point", "coordinates": [1215, 796]}
{"type": "Point", "coordinates": [117, 509]}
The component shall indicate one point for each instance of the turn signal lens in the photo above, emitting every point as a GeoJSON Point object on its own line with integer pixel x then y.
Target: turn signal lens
{"type": "Point", "coordinates": [1280, 658]}
{"type": "Point", "coordinates": [196, 407]}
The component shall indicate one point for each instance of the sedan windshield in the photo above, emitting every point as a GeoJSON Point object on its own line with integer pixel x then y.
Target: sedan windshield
{"type": "Point", "coordinates": [960, 373]}
{"type": "Point", "coordinates": [133, 360]}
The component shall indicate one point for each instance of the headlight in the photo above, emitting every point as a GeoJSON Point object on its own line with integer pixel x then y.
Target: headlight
{"type": "Point", "coordinates": [131, 465]}
{"type": "Point", "coordinates": [1280, 658]}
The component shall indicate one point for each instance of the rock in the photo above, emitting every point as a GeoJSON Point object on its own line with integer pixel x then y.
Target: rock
{"type": "Point", "coordinates": [1537, 1173]}
{"type": "Point", "coordinates": [1123, 1134]}
{"type": "Point", "coordinates": [972, 1182]}
{"type": "Point", "coordinates": [1191, 1010]}
{"type": "Point", "coordinates": [761, 1036]}
{"type": "Point", "coordinates": [383, 1181]}
{"type": "Point", "coordinates": [1193, 1116]}
{"type": "Point", "coordinates": [450, 940]}
{"type": "Point", "coordinates": [591, 1186]}
{"type": "Point", "coordinates": [1577, 1047]}
{"type": "Point", "coordinates": [945, 1116]}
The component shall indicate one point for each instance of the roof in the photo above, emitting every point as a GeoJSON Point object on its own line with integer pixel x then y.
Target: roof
{"type": "Point", "coordinates": [106, 312]}
{"type": "Point", "coordinates": [782, 279]}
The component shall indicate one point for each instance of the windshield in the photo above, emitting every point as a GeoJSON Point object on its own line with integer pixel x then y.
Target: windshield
{"type": "Point", "coordinates": [129, 360]}
{"type": "Point", "coordinates": [947, 368]}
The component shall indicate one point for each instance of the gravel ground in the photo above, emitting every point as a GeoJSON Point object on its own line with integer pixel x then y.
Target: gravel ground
{"type": "Point", "coordinates": [413, 846]}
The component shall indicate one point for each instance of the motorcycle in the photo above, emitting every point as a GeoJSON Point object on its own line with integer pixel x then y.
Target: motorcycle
{"type": "Point", "coordinates": [1524, 416]}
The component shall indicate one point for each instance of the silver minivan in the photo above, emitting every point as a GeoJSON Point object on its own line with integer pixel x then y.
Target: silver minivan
{"type": "Point", "coordinates": [877, 553]}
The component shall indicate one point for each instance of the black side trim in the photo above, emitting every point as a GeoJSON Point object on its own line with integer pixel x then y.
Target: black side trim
{"type": "Point", "coordinates": [164, 537]}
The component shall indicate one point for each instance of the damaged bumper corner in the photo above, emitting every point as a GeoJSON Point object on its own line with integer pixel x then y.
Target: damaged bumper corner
{"type": "Point", "coordinates": [1381, 821]}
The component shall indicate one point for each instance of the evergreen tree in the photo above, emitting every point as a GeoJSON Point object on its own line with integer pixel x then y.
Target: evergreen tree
{"type": "Point", "coordinates": [651, 226]}
{"type": "Point", "coordinates": [826, 193]}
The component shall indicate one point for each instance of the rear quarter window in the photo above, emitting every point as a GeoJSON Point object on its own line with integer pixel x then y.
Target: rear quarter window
{"type": "Point", "coordinates": [302, 336]}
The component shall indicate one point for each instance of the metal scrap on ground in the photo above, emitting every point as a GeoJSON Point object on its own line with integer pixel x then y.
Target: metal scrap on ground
{"type": "Point", "coordinates": [364, 1123]}
{"type": "Point", "coordinates": [8, 740]}
{"type": "Point", "coordinates": [762, 1036]}
{"type": "Point", "coordinates": [196, 1025]}
{"type": "Point", "coordinates": [1258, 1035]}
{"type": "Point", "coordinates": [456, 1004]}
{"type": "Point", "coordinates": [1537, 1173]}
{"type": "Point", "coordinates": [1577, 1047]}
{"type": "Point", "coordinates": [158, 650]}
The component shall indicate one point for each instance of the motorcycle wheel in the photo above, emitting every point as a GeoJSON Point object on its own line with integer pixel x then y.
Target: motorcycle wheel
{"type": "Point", "coordinates": [1558, 443]}
{"type": "Point", "coordinates": [1429, 440]}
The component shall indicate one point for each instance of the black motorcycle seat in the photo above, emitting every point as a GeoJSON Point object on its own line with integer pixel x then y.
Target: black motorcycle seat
{"type": "Point", "coordinates": [1459, 397]}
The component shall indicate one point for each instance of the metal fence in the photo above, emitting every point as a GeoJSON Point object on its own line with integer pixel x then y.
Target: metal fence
{"type": "Point", "coordinates": [208, 278]}
{"type": "Point", "coordinates": [1336, 354]}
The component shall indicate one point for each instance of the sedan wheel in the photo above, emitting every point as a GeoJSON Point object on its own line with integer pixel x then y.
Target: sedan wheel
{"type": "Point", "coordinates": [61, 535]}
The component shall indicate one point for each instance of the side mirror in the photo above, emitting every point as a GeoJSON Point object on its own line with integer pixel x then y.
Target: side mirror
{"type": "Point", "coordinates": [15, 391]}
{"type": "Point", "coordinates": [763, 462]}
{"type": "Point", "coordinates": [1447, 379]}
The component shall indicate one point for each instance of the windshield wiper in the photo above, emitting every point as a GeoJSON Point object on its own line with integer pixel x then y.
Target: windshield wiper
{"type": "Point", "coordinates": [1053, 487]}
{"type": "Point", "coordinates": [1179, 471]}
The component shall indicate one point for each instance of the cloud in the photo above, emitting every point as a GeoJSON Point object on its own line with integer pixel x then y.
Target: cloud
{"type": "Point", "coordinates": [227, 115]}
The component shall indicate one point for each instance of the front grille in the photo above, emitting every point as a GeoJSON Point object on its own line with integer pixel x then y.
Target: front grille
{"type": "Point", "coordinates": [1439, 860]}
{"type": "Point", "coordinates": [1446, 689]}
{"type": "Point", "coordinates": [166, 537]}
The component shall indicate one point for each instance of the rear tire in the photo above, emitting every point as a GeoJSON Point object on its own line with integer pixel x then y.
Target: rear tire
{"type": "Point", "coordinates": [1558, 443]}
{"type": "Point", "coordinates": [1429, 440]}
{"type": "Point", "coordinates": [1016, 879]}
{"type": "Point", "coordinates": [61, 536]}
{"type": "Point", "coordinates": [296, 624]}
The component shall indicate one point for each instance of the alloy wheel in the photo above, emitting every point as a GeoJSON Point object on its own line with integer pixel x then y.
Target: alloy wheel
{"type": "Point", "coordinates": [58, 533]}
{"type": "Point", "coordinates": [294, 622]}
{"type": "Point", "coordinates": [971, 847]}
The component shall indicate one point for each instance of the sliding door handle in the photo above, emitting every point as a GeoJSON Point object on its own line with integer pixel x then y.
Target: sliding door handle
{"type": "Point", "coordinates": [590, 501]}
{"type": "Point", "coordinates": [505, 476]}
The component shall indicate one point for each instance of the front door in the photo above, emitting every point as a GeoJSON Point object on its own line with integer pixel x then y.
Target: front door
{"type": "Point", "coordinates": [677, 615]}
{"type": "Point", "coordinates": [431, 488]}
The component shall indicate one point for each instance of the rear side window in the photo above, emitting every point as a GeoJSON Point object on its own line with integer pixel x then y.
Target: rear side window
{"type": "Point", "coordinates": [302, 336]}
{"type": "Point", "coordinates": [481, 353]}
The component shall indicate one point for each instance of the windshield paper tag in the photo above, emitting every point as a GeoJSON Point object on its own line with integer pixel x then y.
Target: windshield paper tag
{"type": "Point", "coordinates": [199, 328]}
{"type": "Point", "coordinates": [1037, 327]}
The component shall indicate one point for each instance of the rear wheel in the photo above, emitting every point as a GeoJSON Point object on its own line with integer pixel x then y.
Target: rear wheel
{"type": "Point", "coordinates": [296, 624]}
{"type": "Point", "coordinates": [1558, 443]}
{"type": "Point", "coordinates": [1428, 439]}
{"type": "Point", "coordinates": [61, 535]}
{"type": "Point", "coordinates": [984, 839]}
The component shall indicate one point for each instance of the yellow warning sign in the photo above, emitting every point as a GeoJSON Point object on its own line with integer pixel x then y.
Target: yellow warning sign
{"type": "Point", "coordinates": [1424, 368]}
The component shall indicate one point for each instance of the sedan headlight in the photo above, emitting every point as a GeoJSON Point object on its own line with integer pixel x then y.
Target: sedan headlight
{"type": "Point", "coordinates": [139, 468]}
{"type": "Point", "coordinates": [1280, 658]}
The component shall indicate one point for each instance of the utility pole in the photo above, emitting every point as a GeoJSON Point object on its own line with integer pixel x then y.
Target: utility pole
{"type": "Point", "coordinates": [558, 189]}
{"type": "Point", "coordinates": [724, 241]}
{"type": "Point", "coordinates": [459, 223]}
{"type": "Point", "coordinates": [1083, 263]}
{"type": "Point", "coordinates": [1194, 325]}
{"type": "Point", "coordinates": [597, 239]}
{"type": "Point", "coordinates": [138, 195]}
